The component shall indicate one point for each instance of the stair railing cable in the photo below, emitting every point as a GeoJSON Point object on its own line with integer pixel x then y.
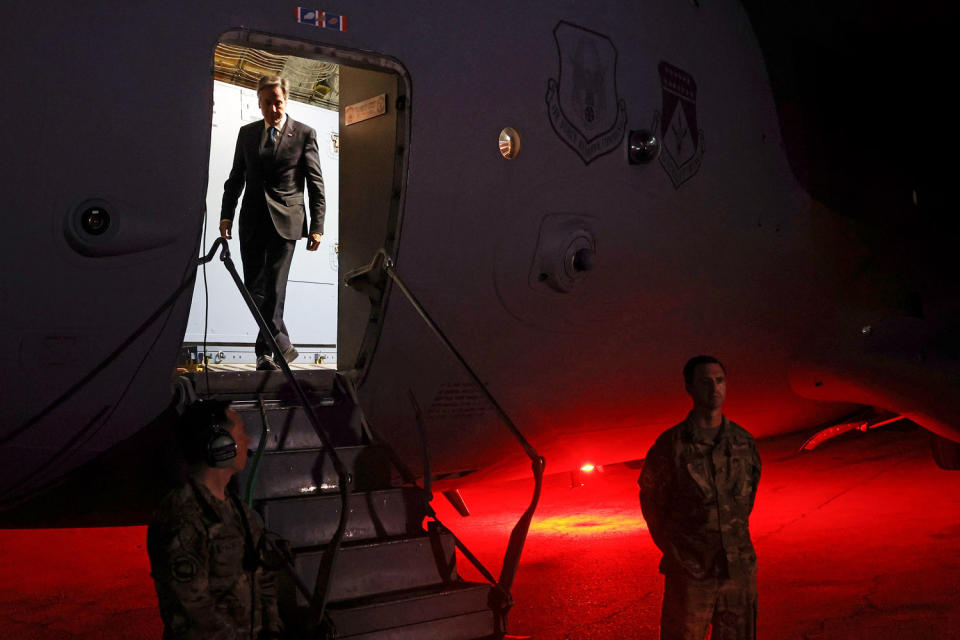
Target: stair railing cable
{"type": "Point", "coordinates": [255, 462]}
{"type": "Point", "coordinates": [318, 599]}
{"type": "Point", "coordinates": [518, 536]}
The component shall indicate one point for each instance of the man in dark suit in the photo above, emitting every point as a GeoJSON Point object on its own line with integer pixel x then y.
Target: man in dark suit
{"type": "Point", "coordinates": [274, 158]}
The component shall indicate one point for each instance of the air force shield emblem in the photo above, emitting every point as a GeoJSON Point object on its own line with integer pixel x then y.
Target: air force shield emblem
{"type": "Point", "coordinates": [584, 108]}
{"type": "Point", "coordinates": [677, 124]}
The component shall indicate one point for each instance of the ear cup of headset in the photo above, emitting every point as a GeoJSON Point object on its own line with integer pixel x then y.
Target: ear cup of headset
{"type": "Point", "coordinates": [221, 448]}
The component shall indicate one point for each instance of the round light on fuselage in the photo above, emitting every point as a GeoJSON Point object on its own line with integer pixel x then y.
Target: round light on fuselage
{"type": "Point", "coordinates": [509, 143]}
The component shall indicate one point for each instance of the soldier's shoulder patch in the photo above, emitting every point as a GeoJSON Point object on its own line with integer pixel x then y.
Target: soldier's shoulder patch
{"type": "Point", "coordinates": [184, 567]}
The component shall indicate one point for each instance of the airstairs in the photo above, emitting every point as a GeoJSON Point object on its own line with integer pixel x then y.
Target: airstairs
{"type": "Point", "coordinates": [392, 578]}
{"type": "Point", "coordinates": [364, 554]}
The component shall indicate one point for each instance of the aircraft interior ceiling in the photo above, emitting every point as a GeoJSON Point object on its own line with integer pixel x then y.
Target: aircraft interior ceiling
{"type": "Point", "coordinates": [311, 81]}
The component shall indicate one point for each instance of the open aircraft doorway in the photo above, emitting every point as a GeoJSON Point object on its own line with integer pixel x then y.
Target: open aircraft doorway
{"type": "Point", "coordinates": [218, 316]}
{"type": "Point", "coordinates": [220, 332]}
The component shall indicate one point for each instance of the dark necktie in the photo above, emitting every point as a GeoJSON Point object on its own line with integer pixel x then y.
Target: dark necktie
{"type": "Point", "coordinates": [266, 154]}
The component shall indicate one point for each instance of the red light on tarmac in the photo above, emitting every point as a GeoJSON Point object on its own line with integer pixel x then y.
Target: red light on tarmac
{"type": "Point", "coordinates": [589, 524]}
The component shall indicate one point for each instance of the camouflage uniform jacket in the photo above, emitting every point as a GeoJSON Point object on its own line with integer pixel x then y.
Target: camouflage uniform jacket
{"type": "Point", "coordinates": [697, 495]}
{"type": "Point", "coordinates": [205, 561]}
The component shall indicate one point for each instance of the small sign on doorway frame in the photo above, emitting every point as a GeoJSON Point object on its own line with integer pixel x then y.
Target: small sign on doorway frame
{"type": "Point", "coordinates": [369, 108]}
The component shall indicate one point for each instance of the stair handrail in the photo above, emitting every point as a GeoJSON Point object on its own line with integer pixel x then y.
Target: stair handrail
{"type": "Point", "coordinates": [287, 561]}
{"type": "Point", "coordinates": [409, 478]}
{"type": "Point", "coordinates": [361, 279]}
{"type": "Point", "coordinates": [321, 590]}
{"type": "Point", "coordinates": [424, 448]}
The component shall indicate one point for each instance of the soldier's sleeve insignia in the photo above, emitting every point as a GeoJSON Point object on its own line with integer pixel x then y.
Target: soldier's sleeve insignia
{"type": "Point", "coordinates": [184, 567]}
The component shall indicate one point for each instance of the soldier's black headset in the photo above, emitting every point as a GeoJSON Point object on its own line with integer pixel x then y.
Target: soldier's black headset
{"type": "Point", "coordinates": [219, 447]}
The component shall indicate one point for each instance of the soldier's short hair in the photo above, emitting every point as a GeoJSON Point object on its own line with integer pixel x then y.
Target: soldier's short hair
{"type": "Point", "coordinates": [268, 82]}
{"type": "Point", "coordinates": [196, 424]}
{"type": "Point", "coordinates": [694, 362]}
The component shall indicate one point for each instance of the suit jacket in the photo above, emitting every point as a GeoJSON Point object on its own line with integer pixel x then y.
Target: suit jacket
{"type": "Point", "coordinates": [274, 185]}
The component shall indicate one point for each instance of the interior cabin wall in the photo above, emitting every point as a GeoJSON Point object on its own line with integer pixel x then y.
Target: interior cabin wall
{"type": "Point", "coordinates": [218, 315]}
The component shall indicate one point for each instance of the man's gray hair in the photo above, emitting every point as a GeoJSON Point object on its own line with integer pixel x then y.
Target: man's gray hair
{"type": "Point", "coordinates": [268, 82]}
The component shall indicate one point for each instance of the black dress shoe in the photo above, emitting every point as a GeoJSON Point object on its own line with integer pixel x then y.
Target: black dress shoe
{"type": "Point", "coordinates": [266, 363]}
{"type": "Point", "coordinates": [290, 354]}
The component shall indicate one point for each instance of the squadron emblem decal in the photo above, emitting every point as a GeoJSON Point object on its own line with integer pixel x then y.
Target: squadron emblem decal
{"type": "Point", "coordinates": [682, 141]}
{"type": "Point", "coordinates": [582, 102]}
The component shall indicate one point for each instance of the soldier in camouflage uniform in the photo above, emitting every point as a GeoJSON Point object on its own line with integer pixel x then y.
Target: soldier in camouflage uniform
{"type": "Point", "coordinates": [205, 544]}
{"type": "Point", "coordinates": [697, 488]}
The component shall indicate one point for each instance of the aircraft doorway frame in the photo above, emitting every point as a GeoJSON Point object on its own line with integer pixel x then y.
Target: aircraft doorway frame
{"type": "Point", "coordinates": [359, 321]}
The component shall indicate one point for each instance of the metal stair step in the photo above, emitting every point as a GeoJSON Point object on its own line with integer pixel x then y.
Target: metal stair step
{"type": "Point", "coordinates": [366, 569]}
{"type": "Point", "coordinates": [247, 385]}
{"type": "Point", "coordinates": [391, 610]}
{"type": "Point", "coordinates": [306, 472]}
{"type": "Point", "coordinates": [306, 522]}
{"type": "Point", "coordinates": [478, 625]}
{"type": "Point", "coordinates": [291, 429]}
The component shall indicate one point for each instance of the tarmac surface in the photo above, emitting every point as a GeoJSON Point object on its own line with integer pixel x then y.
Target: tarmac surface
{"type": "Point", "coordinates": [857, 539]}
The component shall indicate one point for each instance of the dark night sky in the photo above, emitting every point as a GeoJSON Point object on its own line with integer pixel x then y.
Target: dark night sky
{"type": "Point", "coordinates": [862, 90]}
{"type": "Point", "coordinates": [863, 93]}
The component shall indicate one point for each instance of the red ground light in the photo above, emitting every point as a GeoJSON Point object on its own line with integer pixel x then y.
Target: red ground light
{"type": "Point", "coordinates": [858, 539]}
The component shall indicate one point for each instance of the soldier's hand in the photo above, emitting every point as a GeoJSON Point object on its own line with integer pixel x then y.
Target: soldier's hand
{"type": "Point", "coordinates": [226, 228]}
{"type": "Point", "coordinates": [313, 241]}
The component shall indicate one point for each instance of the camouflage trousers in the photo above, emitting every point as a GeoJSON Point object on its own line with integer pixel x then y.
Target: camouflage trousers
{"type": "Point", "coordinates": [690, 606]}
